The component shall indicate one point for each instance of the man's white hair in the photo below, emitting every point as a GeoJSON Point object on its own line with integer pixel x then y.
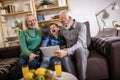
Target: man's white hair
{"type": "Point", "coordinates": [64, 12]}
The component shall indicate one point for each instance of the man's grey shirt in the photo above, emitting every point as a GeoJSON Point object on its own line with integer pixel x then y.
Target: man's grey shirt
{"type": "Point", "coordinates": [75, 37]}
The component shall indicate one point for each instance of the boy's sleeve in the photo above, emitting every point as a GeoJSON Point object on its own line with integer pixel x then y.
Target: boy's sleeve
{"type": "Point", "coordinates": [45, 42]}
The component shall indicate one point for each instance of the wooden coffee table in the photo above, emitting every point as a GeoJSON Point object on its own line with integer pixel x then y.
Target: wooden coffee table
{"type": "Point", "coordinates": [65, 76]}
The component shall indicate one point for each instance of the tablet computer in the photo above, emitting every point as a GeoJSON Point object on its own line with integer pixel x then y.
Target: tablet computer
{"type": "Point", "coordinates": [48, 51]}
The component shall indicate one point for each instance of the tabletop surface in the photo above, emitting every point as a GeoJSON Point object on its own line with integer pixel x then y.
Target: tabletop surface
{"type": "Point", "coordinates": [65, 76]}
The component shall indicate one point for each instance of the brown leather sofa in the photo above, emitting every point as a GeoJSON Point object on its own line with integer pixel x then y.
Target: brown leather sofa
{"type": "Point", "coordinates": [8, 59]}
{"type": "Point", "coordinates": [100, 67]}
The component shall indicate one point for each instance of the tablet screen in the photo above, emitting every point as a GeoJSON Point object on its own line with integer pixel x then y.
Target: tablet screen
{"type": "Point", "coordinates": [48, 51]}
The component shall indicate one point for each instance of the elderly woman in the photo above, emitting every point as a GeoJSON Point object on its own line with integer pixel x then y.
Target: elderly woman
{"type": "Point", "coordinates": [30, 39]}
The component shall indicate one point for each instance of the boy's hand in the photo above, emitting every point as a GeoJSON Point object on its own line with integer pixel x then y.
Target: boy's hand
{"type": "Point", "coordinates": [60, 53]}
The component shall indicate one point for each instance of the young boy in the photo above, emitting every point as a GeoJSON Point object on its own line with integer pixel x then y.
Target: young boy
{"type": "Point", "coordinates": [52, 40]}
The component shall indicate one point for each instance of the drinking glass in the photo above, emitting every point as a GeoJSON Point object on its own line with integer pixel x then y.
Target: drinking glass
{"type": "Point", "coordinates": [58, 68]}
{"type": "Point", "coordinates": [25, 69]}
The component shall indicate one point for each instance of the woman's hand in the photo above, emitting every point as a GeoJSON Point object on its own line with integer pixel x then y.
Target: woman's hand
{"type": "Point", "coordinates": [32, 56]}
{"type": "Point", "coordinates": [60, 53]}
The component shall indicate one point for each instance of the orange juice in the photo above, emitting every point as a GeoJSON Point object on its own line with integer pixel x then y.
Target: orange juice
{"type": "Point", "coordinates": [58, 70]}
{"type": "Point", "coordinates": [25, 69]}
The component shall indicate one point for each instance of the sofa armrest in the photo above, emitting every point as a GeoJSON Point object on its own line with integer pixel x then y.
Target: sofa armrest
{"type": "Point", "coordinates": [103, 44]}
{"type": "Point", "coordinates": [111, 52]}
{"type": "Point", "coordinates": [114, 61]}
{"type": "Point", "coordinates": [10, 52]}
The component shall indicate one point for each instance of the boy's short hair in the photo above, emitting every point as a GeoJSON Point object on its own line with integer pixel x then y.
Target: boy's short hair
{"type": "Point", "coordinates": [54, 24]}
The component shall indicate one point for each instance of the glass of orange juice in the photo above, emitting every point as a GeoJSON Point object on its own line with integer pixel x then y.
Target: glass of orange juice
{"type": "Point", "coordinates": [25, 69]}
{"type": "Point", "coordinates": [58, 68]}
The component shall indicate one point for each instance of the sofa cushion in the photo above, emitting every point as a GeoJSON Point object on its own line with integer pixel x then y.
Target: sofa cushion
{"type": "Point", "coordinates": [11, 61]}
{"type": "Point", "coordinates": [97, 67]}
{"type": "Point", "coordinates": [4, 70]}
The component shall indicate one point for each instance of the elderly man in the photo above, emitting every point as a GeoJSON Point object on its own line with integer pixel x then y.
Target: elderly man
{"type": "Point", "coordinates": [75, 34]}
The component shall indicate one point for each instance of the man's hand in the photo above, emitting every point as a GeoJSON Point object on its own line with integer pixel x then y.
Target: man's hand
{"type": "Point", "coordinates": [60, 53]}
{"type": "Point", "coordinates": [32, 56]}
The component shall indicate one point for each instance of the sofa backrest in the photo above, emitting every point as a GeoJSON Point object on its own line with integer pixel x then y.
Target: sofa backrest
{"type": "Point", "coordinates": [88, 34]}
{"type": "Point", "coordinates": [45, 31]}
{"type": "Point", "coordinates": [10, 52]}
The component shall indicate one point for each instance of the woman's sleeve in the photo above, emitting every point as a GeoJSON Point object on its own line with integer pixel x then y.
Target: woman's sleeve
{"type": "Point", "coordinates": [23, 44]}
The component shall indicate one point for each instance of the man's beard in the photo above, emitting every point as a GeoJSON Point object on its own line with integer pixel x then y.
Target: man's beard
{"type": "Point", "coordinates": [67, 26]}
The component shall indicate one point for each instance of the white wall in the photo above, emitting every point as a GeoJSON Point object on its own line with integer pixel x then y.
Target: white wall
{"type": "Point", "coordinates": [85, 10]}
